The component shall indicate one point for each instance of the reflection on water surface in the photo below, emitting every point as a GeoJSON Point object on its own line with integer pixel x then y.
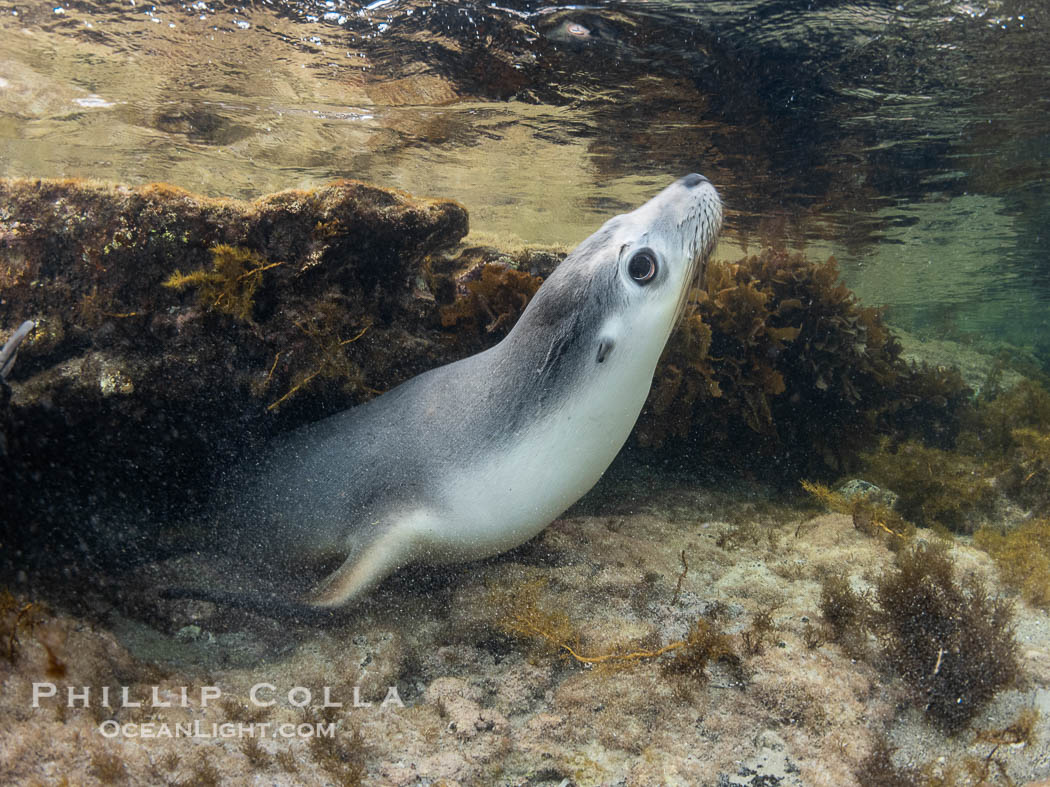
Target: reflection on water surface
{"type": "Point", "coordinates": [830, 127]}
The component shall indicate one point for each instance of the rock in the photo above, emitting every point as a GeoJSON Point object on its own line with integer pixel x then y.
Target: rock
{"type": "Point", "coordinates": [858, 487]}
{"type": "Point", "coordinates": [129, 396]}
{"type": "Point", "coordinates": [770, 765]}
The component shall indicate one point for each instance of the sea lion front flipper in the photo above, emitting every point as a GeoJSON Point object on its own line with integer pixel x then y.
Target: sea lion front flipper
{"type": "Point", "coordinates": [362, 570]}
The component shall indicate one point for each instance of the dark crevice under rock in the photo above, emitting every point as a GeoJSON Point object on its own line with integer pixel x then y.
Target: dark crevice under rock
{"type": "Point", "coordinates": [130, 398]}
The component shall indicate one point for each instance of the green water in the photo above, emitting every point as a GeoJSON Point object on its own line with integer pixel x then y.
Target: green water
{"type": "Point", "coordinates": [910, 141]}
{"type": "Point", "coordinates": [907, 139]}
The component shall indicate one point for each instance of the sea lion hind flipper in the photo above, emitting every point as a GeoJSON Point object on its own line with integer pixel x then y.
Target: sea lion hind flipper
{"type": "Point", "coordinates": [361, 571]}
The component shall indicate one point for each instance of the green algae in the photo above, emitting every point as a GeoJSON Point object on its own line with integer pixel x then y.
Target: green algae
{"type": "Point", "coordinates": [934, 486]}
{"type": "Point", "coordinates": [1022, 556]}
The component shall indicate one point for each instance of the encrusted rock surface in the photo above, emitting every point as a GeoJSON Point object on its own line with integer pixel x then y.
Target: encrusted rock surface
{"type": "Point", "coordinates": [130, 395]}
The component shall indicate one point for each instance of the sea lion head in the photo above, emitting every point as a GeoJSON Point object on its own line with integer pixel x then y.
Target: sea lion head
{"type": "Point", "coordinates": [663, 247]}
{"type": "Point", "coordinates": [622, 291]}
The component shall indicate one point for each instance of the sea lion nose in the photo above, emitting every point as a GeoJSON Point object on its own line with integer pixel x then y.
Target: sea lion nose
{"type": "Point", "coordinates": [691, 181]}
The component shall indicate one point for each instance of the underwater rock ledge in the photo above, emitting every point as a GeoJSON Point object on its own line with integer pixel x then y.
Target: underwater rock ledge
{"type": "Point", "coordinates": [174, 332]}
{"type": "Point", "coordinates": [276, 311]}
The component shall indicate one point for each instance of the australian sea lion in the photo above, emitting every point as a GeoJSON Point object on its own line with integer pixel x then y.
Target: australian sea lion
{"type": "Point", "coordinates": [478, 456]}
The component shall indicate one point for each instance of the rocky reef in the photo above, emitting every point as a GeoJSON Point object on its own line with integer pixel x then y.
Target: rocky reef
{"type": "Point", "coordinates": [688, 638]}
{"type": "Point", "coordinates": [172, 330]}
{"type": "Point", "coordinates": [161, 335]}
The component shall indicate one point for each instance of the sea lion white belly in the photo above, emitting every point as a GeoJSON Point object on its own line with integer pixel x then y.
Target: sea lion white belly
{"type": "Point", "coordinates": [550, 464]}
{"type": "Point", "coordinates": [476, 457]}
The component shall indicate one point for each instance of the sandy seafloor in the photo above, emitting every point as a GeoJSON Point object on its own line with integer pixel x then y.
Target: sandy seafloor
{"type": "Point", "coordinates": [481, 707]}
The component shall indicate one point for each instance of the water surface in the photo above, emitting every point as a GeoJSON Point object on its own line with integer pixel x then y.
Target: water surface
{"type": "Point", "coordinates": [908, 139]}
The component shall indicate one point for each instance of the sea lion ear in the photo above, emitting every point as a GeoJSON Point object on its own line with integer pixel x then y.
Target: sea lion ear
{"type": "Point", "coordinates": [605, 346]}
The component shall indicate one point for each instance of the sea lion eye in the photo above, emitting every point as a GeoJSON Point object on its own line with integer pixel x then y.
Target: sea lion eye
{"type": "Point", "coordinates": [642, 266]}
